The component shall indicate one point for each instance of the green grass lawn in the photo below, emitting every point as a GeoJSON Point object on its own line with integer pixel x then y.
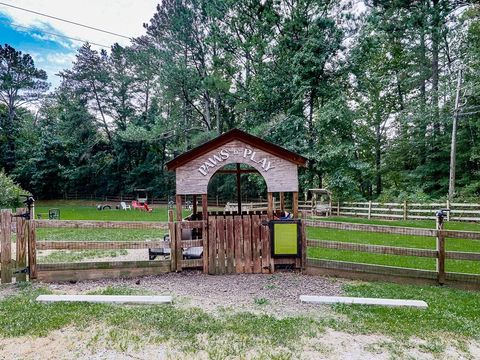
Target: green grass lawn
{"type": "Point", "coordinates": [86, 210]}
{"type": "Point", "coordinates": [451, 318]}
{"type": "Point", "coordinates": [395, 240]}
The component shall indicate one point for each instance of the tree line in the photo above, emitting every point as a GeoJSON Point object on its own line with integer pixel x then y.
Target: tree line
{"type": "Point", "coordinates": [364, 90]}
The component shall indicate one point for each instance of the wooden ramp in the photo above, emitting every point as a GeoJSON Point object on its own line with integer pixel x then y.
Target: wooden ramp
{"type": "Point", "coordinates": [108, 299]}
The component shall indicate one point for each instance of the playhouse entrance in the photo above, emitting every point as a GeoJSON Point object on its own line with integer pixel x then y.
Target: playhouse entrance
{"type": "Point", "coordinates": [238, 244]}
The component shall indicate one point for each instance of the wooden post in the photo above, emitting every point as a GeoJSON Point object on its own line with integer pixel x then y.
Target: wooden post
{"type": "Point", "coordinates": [178, 247]}
{"type": "Point", "coordinates": [304, 241]}
{"type": "Point", "coordinates": [370, 209]}
{"type": "Point", "coordinates": [270, 206]}
{"type": "Point", "coordinates": [170, 215]}
{"type": "Point", "coordinates": [172, 226]}
{"type": "Point", "coordinates": [205, 236]}
{"type": "Point", "coordinates": [194, 208]}
{"type": "Point", "coordinates": [282, 201]}
{"type": "Point", "coordinates": [21, 245]}
{"type": "Point", "coordinates": [239, 190]}
{"type": "Point", "coordinates": [338, 208]}
{"type": "Point", "coordinates": [6, 246]}
{"type": "Point", "coordinates": [295, 204]}
{"type": "Point", "coordinates": [440, 253]}
{"type": "Point", "coordinates": [405, 210]}
{"type": "Point", "coordinates": [32, 249]}
{"type": "Point", "coordinates": [178, 200]}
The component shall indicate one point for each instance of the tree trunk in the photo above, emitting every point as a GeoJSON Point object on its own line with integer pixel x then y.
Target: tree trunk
{"type": "Point", "coordinates": [206, 108]}
{"type": "Point", "coordinates": [217, 112]}
{"type": "Point", "coordinates": [378, 159]}
{"type": "Point", "coordinates": [435, 70]}
{"type": "Point", "coordinates": [10, 157]}
{"type": "Point", "coordinates": [105, 125]}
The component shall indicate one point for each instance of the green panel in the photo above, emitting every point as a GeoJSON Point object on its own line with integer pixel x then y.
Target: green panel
{"type": "Point", "coordinates": [285, 239]}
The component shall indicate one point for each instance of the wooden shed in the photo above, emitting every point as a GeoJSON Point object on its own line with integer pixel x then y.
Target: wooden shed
{"type": "Point", "coordinates": [236, 241]}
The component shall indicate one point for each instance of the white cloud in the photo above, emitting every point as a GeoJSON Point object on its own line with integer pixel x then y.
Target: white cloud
{"type": "Point", "coordinates": [125, 17]}
{"type": "Point", "coordinates": [119, 16]}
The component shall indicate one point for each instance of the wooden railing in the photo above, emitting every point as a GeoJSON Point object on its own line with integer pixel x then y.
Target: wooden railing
{"type": "Point", "coordinates": [407, 210]}
{"type": "Point", "coordinates": [368, 271]}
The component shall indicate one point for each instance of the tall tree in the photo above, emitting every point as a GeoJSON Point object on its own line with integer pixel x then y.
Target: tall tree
{"type": "Point", "coordinates": [20, 83]}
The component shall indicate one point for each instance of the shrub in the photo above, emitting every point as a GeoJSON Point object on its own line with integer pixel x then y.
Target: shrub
{"type": "Point", "coordinates": [10, 193]}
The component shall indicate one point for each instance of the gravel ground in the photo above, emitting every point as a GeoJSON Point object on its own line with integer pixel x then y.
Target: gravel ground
{"type": "Point", "coordinates": [277, 294]}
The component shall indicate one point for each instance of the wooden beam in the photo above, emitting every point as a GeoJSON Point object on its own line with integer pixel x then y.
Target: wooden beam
{"type": "Point", "coordinates": [178, 201]}
{"type": "Point", "coordinates": [92, 224]}
{"type": "Point", "coordinates": [32, 249]}
{"type": "Point", "coordinates": [378, 249]}
{"type": "Point", "coordinates": [295, 204]}
{"type": "Point", "coordinates": [105, 265]}
{"type": "Point", "coordinates": [440, 263]}
{"type": "Point", "coordinates": [242, 171]}
{"type": "Point", "coordinates": [194, 200]}
{"type": "Point", "coordinates": [6, 246]}
{"type": "Point", "coordinates": [95, 245]}
{"type": "Point", "coordinates": [270, 206]}
{"type": "Point", "coordinates": [371, 268]}
{"type": "Point", "coordinates": [282, 201]}
{"type": "Point", "coordinates": [21, 244]}
{"type": "Point", "coordinates": [239, 190]}
{"type": "Point", "coordinates": [205, 232]}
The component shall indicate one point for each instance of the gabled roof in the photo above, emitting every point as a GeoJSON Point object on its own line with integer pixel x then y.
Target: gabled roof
{"type": "Point", "coordinates": [236, 134]}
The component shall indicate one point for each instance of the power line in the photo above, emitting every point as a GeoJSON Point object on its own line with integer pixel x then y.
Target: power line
{"type": "Point", "coordinates": [58, 35]}
{"type": "Point", "coordinates": [67, 21]}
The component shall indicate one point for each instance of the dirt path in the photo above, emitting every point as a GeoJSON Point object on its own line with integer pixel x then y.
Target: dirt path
{"type": "Point", "coordinates": [278, 293]}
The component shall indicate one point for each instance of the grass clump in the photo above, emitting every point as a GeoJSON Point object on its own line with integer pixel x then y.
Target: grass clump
{"type": "Point", "coordinates": [449, 311]}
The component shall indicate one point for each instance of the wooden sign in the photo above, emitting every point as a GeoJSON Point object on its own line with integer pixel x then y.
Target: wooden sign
{"type": "Point", "coordinates": [193, 177]}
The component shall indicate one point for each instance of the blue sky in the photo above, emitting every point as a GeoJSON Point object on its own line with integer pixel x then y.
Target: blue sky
{"type": "Point", "coordinates": [27, 32]}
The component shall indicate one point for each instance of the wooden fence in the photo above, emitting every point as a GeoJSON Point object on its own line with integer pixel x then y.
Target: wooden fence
{"type": "Point", "coordinates": [111, 269]}
{"type": "Point", "coordinates": [366, 271]}
{"type": "Point", "coordinates": [407, 210]}
{"type": "Point", "coordinates": [27, 245]}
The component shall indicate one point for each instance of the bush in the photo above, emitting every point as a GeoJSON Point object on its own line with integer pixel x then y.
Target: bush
{"type": "Point", "coordinates": [10, 193]}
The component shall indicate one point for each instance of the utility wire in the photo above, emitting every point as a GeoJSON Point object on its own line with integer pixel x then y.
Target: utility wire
{"type": "Point", "coordinates": [67, 21]}
{"type": "Point", "coordinates": [58, 35]}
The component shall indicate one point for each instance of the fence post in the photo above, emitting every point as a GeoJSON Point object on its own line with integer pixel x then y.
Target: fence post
{"type": "Point", "coordinates": [21, 245]}
{"type": "Point", "coordinates": [440, 251]}
{"type": "Point", "coordinates": [338, 208]}
{"type": "Point", "coordinates": [173, 233]}
{"type": "Point", "coordinates": [304, 240]}
{"type": "Point", "coordinates": [178, 247]}
{"type": "Point", "coordinates": [370, 209]}
{"type": "Point", "coordinates": [405, 210]}
{"type": "Point", "coordinates": [32, 249]}
{"type": "Point", "coordinates": [6, 246]}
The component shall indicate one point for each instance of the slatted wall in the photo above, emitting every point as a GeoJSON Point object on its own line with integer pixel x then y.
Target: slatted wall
{"type": "Point", "coordinates": [239, 244]}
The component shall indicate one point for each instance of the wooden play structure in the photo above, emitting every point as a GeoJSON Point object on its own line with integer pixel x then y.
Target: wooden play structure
{"type": "Point", "coordinates": [239, 241]}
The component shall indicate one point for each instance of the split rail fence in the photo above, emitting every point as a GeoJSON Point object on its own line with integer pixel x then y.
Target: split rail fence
{"type": "Point", "coordinates": [23, 236]}
{"type": "Point", "coordinates": [407, 210]}
{"type": "Point", "coordinates": [367, 271]}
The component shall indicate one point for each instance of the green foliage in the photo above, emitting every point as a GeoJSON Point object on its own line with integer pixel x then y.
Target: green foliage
{"type": "Point", "coordinates": [10, 193]}
{"type": "Point", "coordinates": [367, 99]}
